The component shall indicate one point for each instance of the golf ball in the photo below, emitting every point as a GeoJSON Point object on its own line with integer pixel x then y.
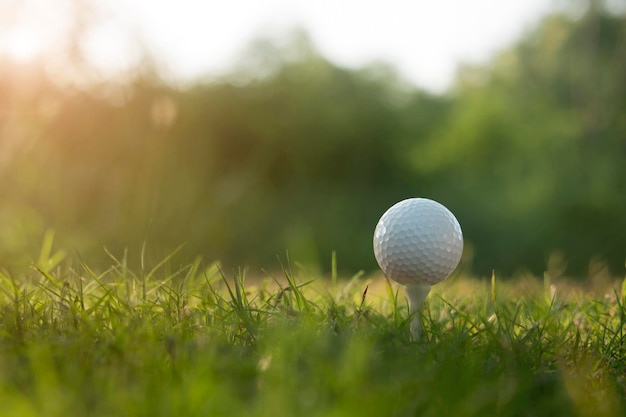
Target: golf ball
{"type": "Point", "coordinates": [418, 241]}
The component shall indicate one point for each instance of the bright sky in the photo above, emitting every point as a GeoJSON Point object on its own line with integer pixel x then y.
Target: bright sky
{"type": "Point", "coordinates": [424, 40]}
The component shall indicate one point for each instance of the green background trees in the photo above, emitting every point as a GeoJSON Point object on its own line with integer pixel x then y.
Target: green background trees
{"type": "Point", "coordinates": [292, 152]}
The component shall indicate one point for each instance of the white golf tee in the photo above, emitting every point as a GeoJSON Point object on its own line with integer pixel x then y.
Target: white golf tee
{"type": "Point", "coordinates": [417, 295]}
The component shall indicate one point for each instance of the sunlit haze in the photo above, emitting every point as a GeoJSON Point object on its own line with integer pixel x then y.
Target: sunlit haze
{"type": "Point", "coordinates": [424, 40]}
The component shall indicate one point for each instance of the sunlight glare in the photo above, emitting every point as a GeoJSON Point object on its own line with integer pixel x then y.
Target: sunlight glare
{"type": "Point", "coordinates": [23, 44]}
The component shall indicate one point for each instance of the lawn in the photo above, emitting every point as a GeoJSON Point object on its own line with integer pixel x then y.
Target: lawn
{"type": "Point", "coordinates": [193, 340]}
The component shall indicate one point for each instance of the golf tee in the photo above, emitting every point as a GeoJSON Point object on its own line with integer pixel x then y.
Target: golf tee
{"type": "Point", "coordinates": [417, 295]}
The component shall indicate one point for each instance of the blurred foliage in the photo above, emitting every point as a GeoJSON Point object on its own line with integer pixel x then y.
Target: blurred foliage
{"type": "Point", "coordinates": [292, 152]}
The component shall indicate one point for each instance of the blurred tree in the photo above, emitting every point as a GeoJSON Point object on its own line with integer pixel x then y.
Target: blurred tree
{"type": "Point", "coordinates": [305, 156]}
{"type": "Point", "coordinates": [534, 147]}
{"type": "Point", "coordinates": [292, 157]}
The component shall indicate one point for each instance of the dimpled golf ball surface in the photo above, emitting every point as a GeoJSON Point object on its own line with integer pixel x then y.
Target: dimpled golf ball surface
{"type": "Point", "coordinates": [418, 241]}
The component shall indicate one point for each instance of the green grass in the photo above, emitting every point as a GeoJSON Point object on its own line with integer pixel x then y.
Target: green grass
{"type": "Point", "coordinates": [190, 341]}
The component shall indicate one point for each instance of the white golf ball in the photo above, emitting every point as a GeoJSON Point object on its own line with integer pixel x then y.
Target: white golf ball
{"type": "Point", "coordinates": [418, 241]}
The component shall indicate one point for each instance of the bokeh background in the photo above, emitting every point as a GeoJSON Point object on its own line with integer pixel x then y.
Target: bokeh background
{"type": "Point", "coordinates": [288, 151]}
